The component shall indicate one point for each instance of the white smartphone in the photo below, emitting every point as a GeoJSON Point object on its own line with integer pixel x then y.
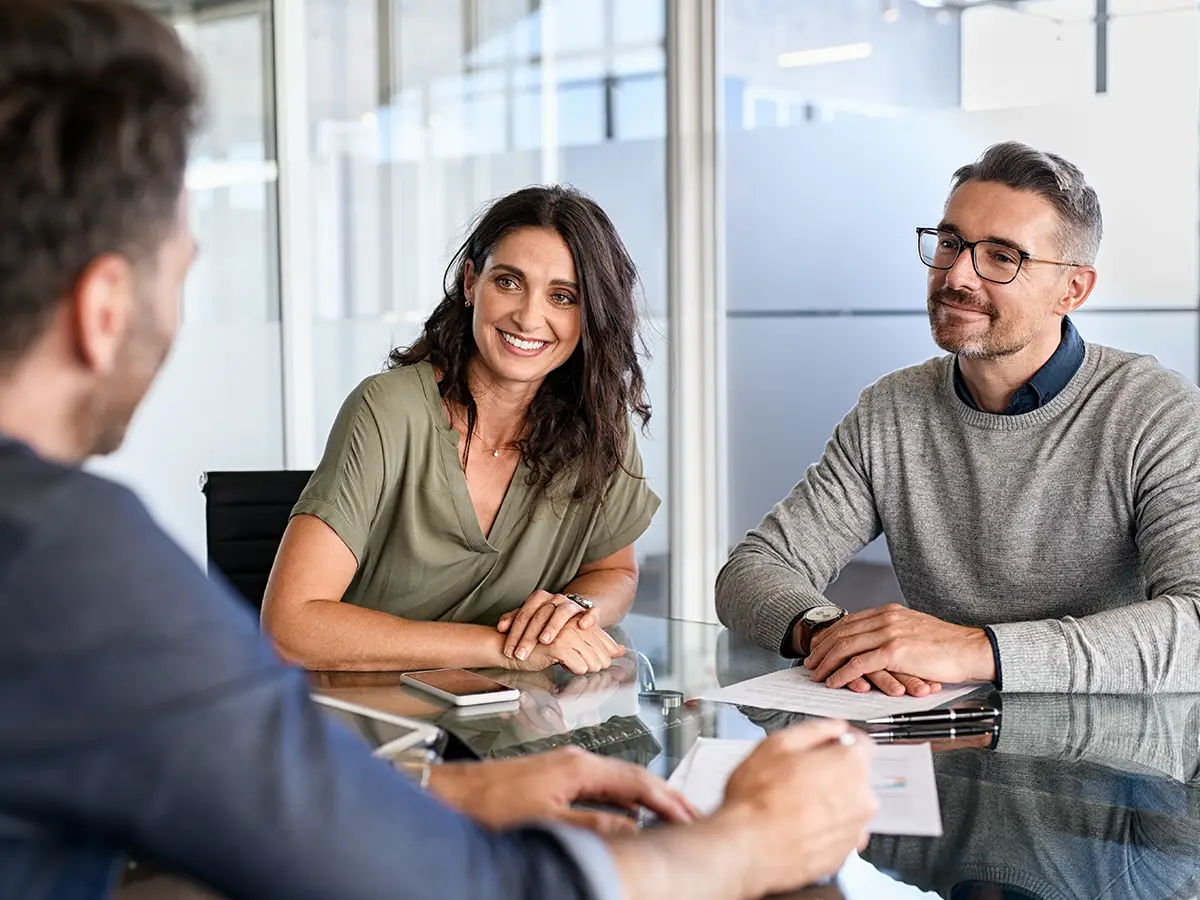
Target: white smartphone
{"type": "Point", "coordinates": [460, 687]}
{"type": "Point", "coordinates": [461, 713]}
{"type": "Point", "coordinates": [386, 734]}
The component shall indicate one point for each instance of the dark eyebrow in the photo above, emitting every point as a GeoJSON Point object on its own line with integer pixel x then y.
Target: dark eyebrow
{"type": "Point", "coordinates": [991, 238]}
{"type": "Point", "coordinates": [513, 270]}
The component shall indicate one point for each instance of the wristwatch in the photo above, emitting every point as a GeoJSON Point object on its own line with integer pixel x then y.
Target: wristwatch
{"type": "Point", "coordinates": [582, 601]}
{"type": "Point", "coordinates": [814, 620]}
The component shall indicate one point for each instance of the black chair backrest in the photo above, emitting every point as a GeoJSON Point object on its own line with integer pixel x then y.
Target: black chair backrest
{"type": "Point", "coordinates": [245, 514]}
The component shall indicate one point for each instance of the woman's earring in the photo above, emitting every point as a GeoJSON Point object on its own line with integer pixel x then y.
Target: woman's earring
{"type": "Point", "coordinates": [468, 304]}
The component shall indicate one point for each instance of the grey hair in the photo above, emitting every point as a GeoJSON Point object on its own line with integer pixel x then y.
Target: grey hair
{"type": "Point", "coordinates": [1023, 168]}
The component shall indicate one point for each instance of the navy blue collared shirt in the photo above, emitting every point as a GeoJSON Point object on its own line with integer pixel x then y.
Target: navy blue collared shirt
{"type": "Point", "coordinates": [1046, 383]}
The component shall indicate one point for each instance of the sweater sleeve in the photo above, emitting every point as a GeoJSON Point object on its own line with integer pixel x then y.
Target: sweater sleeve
{"type": "Point", "coordinates": [783, 566]}
{"type": "Point", "coordinates": [1151, 645]}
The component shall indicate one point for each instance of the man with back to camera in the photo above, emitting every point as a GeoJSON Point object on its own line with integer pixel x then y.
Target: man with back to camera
{"type": "Point", "coordinates": [1040, 495]}
{"type": "Point", "coordinates": [143, 712]}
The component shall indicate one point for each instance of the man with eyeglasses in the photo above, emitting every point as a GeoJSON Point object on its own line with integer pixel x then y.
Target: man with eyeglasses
{"type": "Point", "coordinates": [1040, 495]}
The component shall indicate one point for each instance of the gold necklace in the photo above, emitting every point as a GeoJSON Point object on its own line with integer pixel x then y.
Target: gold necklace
{"type": "Point", "coordinates": [495, 450]}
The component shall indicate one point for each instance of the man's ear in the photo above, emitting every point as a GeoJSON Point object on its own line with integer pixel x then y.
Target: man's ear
{"type": "Point", "coordinates": [1079, 287]}
{"type": "Point", "coordinates": [102, 306]}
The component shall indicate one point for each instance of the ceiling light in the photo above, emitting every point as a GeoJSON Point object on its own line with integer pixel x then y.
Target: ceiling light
{"type": "Point", "coordinates": [822, 55]}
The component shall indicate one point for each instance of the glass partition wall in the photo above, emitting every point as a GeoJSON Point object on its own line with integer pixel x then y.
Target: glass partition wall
{"type": "Point", "coordinates": [218, 403]}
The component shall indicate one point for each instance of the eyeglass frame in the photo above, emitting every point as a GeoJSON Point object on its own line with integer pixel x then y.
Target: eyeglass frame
{"type": "Point", "coordinates": [964, 244]}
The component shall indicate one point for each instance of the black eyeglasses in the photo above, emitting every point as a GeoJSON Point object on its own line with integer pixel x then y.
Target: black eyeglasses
{"type": "Point", "coordinates": [993, 261]}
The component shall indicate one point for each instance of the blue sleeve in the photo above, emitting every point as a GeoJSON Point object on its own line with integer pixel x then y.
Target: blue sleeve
{"type": "Point", "coordinates": [143, 709]}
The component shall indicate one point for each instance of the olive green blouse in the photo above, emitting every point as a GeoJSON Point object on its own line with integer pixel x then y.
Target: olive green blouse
{"type": "Point", "coordinates": [393, 488]}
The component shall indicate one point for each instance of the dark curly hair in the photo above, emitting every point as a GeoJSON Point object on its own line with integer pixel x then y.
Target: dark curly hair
{"type": "Point", "coordinates": [579, 419]}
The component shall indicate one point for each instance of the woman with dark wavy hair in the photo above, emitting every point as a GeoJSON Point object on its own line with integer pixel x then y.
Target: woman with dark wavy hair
{"type": "Point", "coordinates": [477, 502]}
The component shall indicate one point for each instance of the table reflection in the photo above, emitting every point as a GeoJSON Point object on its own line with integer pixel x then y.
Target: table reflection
{"type": "Point", "coordinates": [1080, 797]}
{"type": "Point", "coordinates": [1089, 797]}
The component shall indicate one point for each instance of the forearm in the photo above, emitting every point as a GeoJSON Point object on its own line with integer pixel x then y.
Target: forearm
{"type": "Point", "coordinates": [759, 596]}
{"type": "Point", "coordinates": [612, 590]}
{"type": "Point", "coordinates": [330, 635]}
{"type": "Point", "coordinates": [663, 863]}
{"type": "Point", "coordinates": [322, 819]}
{"type": "Point", "coordinates": [1148, 647]}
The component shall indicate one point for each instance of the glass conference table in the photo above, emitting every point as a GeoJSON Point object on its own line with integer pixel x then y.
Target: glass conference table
{"type": "Point", "coordinates": [1081, 797]}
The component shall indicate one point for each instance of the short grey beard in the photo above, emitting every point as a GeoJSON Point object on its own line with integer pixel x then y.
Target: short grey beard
{"type": "Point", "coordinates": [981, 350]}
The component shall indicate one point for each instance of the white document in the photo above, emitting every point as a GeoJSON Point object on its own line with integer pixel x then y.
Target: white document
{"type": "Point", "coordinates": [901, 777]}
{"type": "Point", "coordinates": [793, 690]}
{"type": "Point", "coordinates": [702, 774]}
{"type": "Point", "coordinates": [859, 880]}
{"type": "Point", "coordinates": [679, 777]}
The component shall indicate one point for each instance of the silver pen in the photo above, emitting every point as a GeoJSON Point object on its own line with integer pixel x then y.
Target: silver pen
{"type": "Point", "coordinates": [958, 714]}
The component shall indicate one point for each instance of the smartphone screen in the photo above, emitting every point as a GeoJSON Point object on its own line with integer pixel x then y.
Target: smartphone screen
{"type": "Point", "coordinates": [459, 682]}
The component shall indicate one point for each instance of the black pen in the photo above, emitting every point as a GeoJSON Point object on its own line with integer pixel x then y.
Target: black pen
{"type": "Point", "coordinates": [932, 734]}
{"type": "Point", "coordinates": [961, 714]}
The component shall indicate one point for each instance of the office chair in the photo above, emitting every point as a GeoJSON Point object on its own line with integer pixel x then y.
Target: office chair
{"type": "Point", "coordinates": [245, 516]}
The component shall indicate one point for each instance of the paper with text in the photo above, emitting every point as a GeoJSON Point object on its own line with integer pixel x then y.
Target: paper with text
{"type": "Point", "coordinates": [793, 690]}
{"type": "Point", "coordinates": [901, 777]}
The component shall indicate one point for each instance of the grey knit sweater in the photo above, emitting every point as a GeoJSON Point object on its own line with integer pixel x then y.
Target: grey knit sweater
{"type": "Point", "coordinates": [1072, 530]}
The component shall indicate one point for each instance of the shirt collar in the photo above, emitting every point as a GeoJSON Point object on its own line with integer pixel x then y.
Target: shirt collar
{"type": "Point", "coordinates": [1046, 383]}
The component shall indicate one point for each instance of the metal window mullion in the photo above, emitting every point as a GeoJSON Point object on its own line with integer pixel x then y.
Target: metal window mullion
{"type": "Point", "coordinates": [289, 32]}
{"type": "Point", "coordinates": [696, 306]}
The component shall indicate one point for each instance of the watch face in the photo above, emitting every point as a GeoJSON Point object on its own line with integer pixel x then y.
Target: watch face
{"type": "Point", "coordinates": [819, 615]}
